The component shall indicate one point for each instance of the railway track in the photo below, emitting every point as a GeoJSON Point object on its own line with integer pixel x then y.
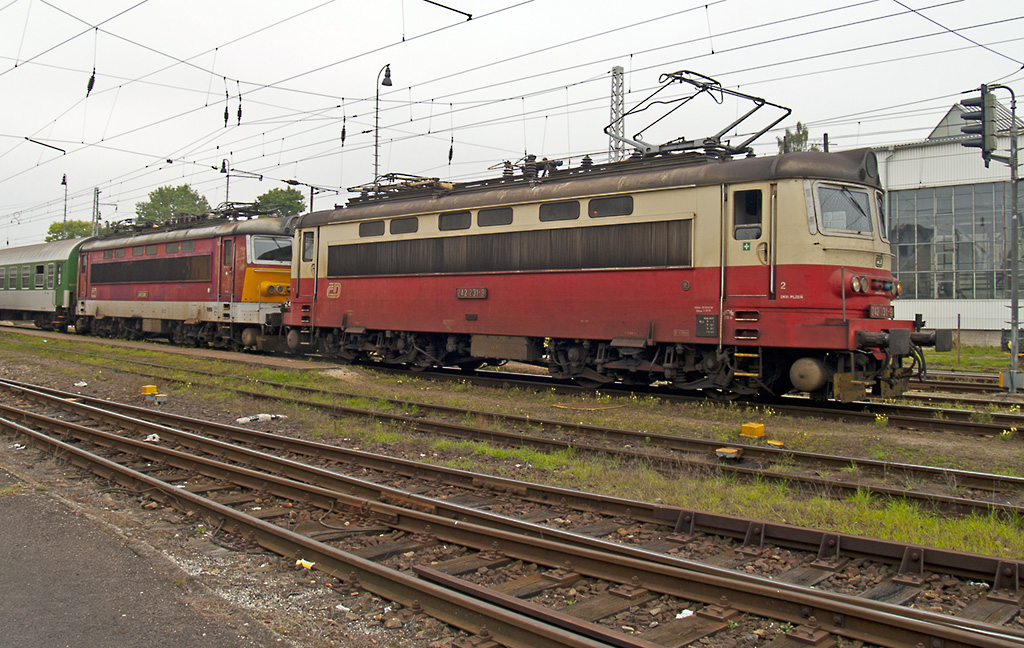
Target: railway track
{"type": "Point", "coordinates": [375, 534]}
{"type": "Point", "coordinates": [951, 491]}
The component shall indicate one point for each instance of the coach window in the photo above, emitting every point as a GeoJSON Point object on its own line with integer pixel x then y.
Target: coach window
{"type": "Point", "coordinates": [227, 258]}
{"type": "Point", "coordinates": [617, 206]}
{"type": "Point", "coordinates": [746, 215]}
{"type": "Point", "coordinates": [188, 246]}
{"type": "Point", "coordinates": [119, 253]}
{"type": "Point", "coordinates": [559, 211]}
{"type": "Point", "coordinates": [138, 250]}
{"type": "Point", "coordinates": [371, 228]}
{"type": "Point", "coordinates": [454, 221]}
{"type": "Point", "coordinates": [25, 270]}
{"type": "Point", "coordinates": [171, 248]}
{"type": "Point", "coordinates": [3, 278]}
{"type": "Point", "coordinates": [494, 217]}
{"type": "Point", "coordinates": [49, 275]}
{"type": "Point", "coordinates": [12, 279]}
{"type": "Point", "coordinates": [40, 275]}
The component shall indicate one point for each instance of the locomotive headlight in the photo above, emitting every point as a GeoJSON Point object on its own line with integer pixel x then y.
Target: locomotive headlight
{"type": "Point", "coordinates": [897, 288]}
{"type": "Point", "coordinates": [865, 284]}
{"type": "Point", "coordinates": [855, 284]}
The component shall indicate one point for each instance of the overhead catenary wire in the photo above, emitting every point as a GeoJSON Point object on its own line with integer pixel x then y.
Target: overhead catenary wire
{"type": "Point", "coordinates": [451, 110]}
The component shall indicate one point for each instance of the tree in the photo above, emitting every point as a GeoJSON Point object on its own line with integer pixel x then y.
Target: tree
{"type": "Point", "coordinates": [796, 140]}
{"type": "Point", "coordinates": [71, 229]}
{"type": "Point", "coordinates": [287, 202]}
{"type": "Point", "coordinates": [168, 202]}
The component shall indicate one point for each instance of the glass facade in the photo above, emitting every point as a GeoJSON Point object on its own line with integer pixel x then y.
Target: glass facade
{"type": "Point", "coordinates": [953, 242]}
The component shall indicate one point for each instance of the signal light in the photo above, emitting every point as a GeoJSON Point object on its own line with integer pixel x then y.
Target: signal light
{"type": "Point", "coordinates": [981, 122]}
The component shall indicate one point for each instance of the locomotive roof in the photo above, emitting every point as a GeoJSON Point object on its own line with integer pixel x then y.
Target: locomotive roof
{"type": "Point", "coordinates": [271, 226]}
{"type": "Point", "coordinates": [857, 166]}
{"type": "Point", "coordinates": [51, 251]}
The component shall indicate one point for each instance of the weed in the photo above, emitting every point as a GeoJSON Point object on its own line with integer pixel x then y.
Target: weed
{"type": "Point", "coordinates": [881, 421]}
{"type": "Point", "coordinates": [1006, 435]}
{"type": "Point", "coordinates": [981, 417]}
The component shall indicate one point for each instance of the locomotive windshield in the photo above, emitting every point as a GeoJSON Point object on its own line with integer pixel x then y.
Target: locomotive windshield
{"type": "Point", "coordinates": [845, 210]}
{"type": "Point", "coordinates": [271, 249]}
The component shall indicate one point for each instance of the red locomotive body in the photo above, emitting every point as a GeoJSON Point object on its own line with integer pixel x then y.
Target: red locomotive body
{"type": "Point", "coordinates": [214, 281]}
{"type": "Point", "coordinates": [734, 276]}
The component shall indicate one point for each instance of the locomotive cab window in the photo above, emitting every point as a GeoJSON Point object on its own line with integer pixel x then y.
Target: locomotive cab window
{"type": "Point", "coordinates": [227, 258]}
{"type": "Point", "coordinates": [746, 215]}
{"type": "Point", "coordinates": [844, 210]}
{"type": "Point", "coordinates": [308, 245]}
{"type": "Point", "coordinates": [271, 249]}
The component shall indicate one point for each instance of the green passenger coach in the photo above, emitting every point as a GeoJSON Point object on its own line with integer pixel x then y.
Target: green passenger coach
{"type": "Point", "coordinates": [37, 283]}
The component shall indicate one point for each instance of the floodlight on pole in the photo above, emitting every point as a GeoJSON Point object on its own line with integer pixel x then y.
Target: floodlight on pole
{"type": "Point", "coordinates": [386, 71]}
{"type": "Point", "coordinates": [64, 227]}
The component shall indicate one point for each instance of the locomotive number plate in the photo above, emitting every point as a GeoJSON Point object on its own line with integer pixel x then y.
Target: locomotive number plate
{"type": "Point", "coordinates": [470, 293]}
{"type": "Point", "coordinates": [881, 311]}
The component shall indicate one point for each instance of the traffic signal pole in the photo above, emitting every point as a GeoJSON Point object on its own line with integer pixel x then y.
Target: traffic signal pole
{"type": "Point", "coordinates": [985, 127]}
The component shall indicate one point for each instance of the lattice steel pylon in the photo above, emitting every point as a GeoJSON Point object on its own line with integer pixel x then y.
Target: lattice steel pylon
{"type": "Point", "coordinates": [616, 147]}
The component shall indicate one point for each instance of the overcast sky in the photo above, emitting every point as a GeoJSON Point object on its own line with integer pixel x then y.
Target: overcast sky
{"type": "Point", "coordinates": [523, 76]}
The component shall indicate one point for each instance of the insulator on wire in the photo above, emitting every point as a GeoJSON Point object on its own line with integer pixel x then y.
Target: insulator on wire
{"type": "Point", "coordinates": [239, 110]}
{"type": "Point", "coordinates": [507, 171]}
{"type": "Point", "coordinates": [227, 116]}
{"type": "Point", "coordinates": [342, 134]}
{"type": "Point", "coordinates": [92, 82]}
{"type": "Point", "coordinates": [586, 163]}
{"type": "Point", "coordinates": [451, 151]}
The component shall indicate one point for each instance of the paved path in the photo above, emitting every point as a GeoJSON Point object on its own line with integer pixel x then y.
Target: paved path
{"type": "Point", "coordinates": [69, 582]}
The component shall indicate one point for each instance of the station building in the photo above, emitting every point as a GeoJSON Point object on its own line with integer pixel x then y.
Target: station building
{"type": "Point", "coordinates": [949, 225]}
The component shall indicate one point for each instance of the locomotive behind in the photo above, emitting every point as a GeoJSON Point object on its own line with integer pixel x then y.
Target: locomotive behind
{"type": "Point", "coordinates": [218, 282]}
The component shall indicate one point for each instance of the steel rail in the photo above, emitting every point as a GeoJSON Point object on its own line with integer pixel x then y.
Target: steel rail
{"type": "Point", "coordinates": [850, 619]}
{"type": "Point", "coordinates": [349, 486]}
